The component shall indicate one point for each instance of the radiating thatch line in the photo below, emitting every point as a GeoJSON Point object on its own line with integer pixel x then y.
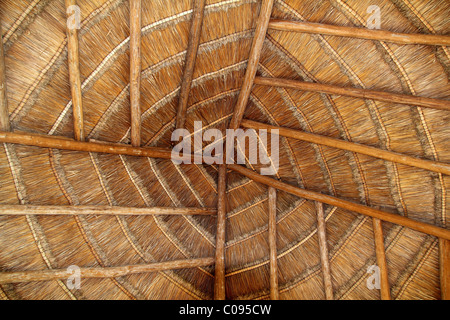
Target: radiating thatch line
{"type": "Point", "coordinates": [143, 254]}
{"type": "Point", "coordinates": [418, 20]}
{"type": "Point", "coordinates": [290, 153]}
{"type": "Point", "coordinates": [170, 61]}
{"type": "Point", "coordinates": [189, 184]}
{"type": "Point", "coordinates": [56, 61]}
{"type": "Point", "coordinates": [247, 206]}
{"type": "Point", "coordinates": [205, 234]}
{"type": "Point", "coordinates": [417, 264]}
{"type": "Point", "coordinates": [39, 238]}
{"type": "Point", "coordinates": [83, 225]}
{"type": "Point", "coordinates": [207, 177]}
{"type": "Point", "coordinates": [306, 126]}
{"type": "Point", "coordinates": [392, 237]}
{"type": "Point", "coordinates": [418, 115]}
{"type": "Point", "coordinates": [304, 237]}
{"type": "Point", "coordinates": [354, 161]}
{"type": "Point", "coordinates": [173, 94]}
{"type": "Point", "coordinates": [282, 216]}
{"type": "Point", "coordinates": [3, 295]}
{"type": "Point", "coordinates": [21, 24]}
{"type": "Point", "coordinates": [124, 46]}
{"type": "Point", "coordinates": [383, 136]}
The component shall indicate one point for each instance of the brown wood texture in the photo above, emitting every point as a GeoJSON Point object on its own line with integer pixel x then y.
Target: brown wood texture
{"type": "Point", "coordinates": [219, 281]}
{"type": "Point", "coordinates": [274, 292]}
{"type": "Point", "coordinates": [75, 78]}
{"type": "Point", "coordinates": [394, 98]}
{"type": "Point", "coordinates": [17, 210]}
{"type": "Point", "coordinates": [381, 259]}
{"type": "Point", "coordinates": [361, 33]}
{"type": "Point", "coordinates": [109, 272]}
{"type": "Point", "coordinates": [255, 54]}
{"type": "Point", "coordinates": [444, 264]}
{"type": "Point", "coordinates": [323, 246]}
{"type": "Point", "coordinates": [135, 71]}
{"type": "Point", "coordinates": [191, 57]}
{"type": "Point", "coordinates": [4, 112]}
{"type": "Point", "coordinates": [430, 165]}
{"type": "Point", "coordinates": [344, 204]}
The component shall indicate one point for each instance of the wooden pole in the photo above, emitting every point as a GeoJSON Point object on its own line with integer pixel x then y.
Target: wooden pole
{"type": "Point", "coordinates": [323, 246]}
{"type": "Point", "coordinates": [444, 264]}
{"type": "Point", "coordinates": [17, 210]}
{"type": "Point", "coordinates": [361, 33]}
{"type": "Point", "coordinates": [4, 112]}
{"type": "Point", "coordinates": [63, 143]}
{"type": "Point", "coordinates": [74, 73]}
{"type": "Point", "coordinates": [219, 282]}
{"type": "Point", "coordinates": [109, 272]}
{"type": "Point", "coordinates": [135, 71]}
{"type": "Point", "coordinates": [255, 54]}
{"type": "Point", "coordinates": [431, 165]}
{"type": "Point", "coordinates": [344, 204]}
{"type": "Point", "coordinates": [393, 98]}
{"type": "Point", "coordinates": [381, 259]}
{"type": "Point", "coordinates": [274, 292]}
{"type": "Point", "coordinates": [191, 56]}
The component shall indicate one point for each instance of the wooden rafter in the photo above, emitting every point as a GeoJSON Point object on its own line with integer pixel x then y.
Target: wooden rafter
{"type": "Point", "coordinates": [4, 113]}
{"type": "Point", "coordinates": [191, 57]}
{"type": "Point", "coordinates": [381, 259]}
{"type": "Point", "coordinates": [219, 281]}
{"type": "Point", "coordinates": [344, 204]}
{"type": "Point", "coordinates": [255, 54]}
{"type": "Point", "coordinates": [15, 210]}
{"type": "Point", "coordinates": [430, 165]}
{"type": "Point", "coordinates": [274, 292]}
{"type": "Point", "coordinates": [361, 33]}
{"type": "Point", "coordinates": [393, 98]}
{"type": "Point", "coordinates": [74, 75]}
{"type": "Point", "coordinates": [135, 71]}
{"type": "Point", "coordinates": [107, 272]}
{"type": "Point", "coordinates": [323, 246]}
{"type": "Point", "coordinates": [444, 265]}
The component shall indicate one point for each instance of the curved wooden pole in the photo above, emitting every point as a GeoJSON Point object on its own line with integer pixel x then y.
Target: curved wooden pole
{"type": "Point", "coordinates": [435, 166]}
{"type": "Point", "coordinates": [4, 112]}
{"type": "Point", "coordinates": [362, 33]}
{"type": "Point", "coordinates": [394, 98]}
{"type": "Point", "coordinates": [108, 272]}
{"type": "Point", "coordinates": [344, 204]}
{"type": "Point", "coordinates": [219, 280]}
{"type": "Point", "coordinates": [274, 292]}
{"type": "Point", "coordinates": [255, 54]}
{"type": "Point", "coordinates": [135, 71]}
{"type": "Point", "coordinates": [191, 56]}
{"type": "Point", "coordinates": [17, 210]}
{"type": "Point", "coordinates": [381, 259]}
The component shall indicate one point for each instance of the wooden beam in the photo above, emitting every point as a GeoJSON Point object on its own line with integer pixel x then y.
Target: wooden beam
{"type": "Point", "coordinates": [17, 210]}
{"type": "Point", "coordinates": [344, 204]}
{"type": "Point", "coordinates": [430, 165]}
{"type": "Point", "coordinates": [361, 33]}
{"type": "Point", "coordinates": [274, 292]}
{"type": "Point", "coordinates": [135, 71]}
{"type": "Point", "coordinates": [4, 112]}
{"type": "Point", "coordinates": [323, 246]}
{"type": "Point", "coordinates": [74, 75]}
{"type": "Point", "coordinates": [381, 259]}
{"type": "Point", "coordinates": [255, 54]}
{"type": "Point", "coordinates": [444, 264]}
{"type": "Point", "coordinates": [219, 281]}
{"type": "Point", "coordinates": [109, 272]}
{"type": "Point", "coordinates": [191, 56]}
{"type": "Point", "coordinates": [393, 98]}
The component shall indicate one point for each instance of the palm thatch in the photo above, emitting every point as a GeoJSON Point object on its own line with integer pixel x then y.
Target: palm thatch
{"type": "Point", "coordinates": [271, 239]}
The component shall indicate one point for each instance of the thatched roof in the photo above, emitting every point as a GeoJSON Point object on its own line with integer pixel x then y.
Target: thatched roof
{"type": "Point", "coordinates": [40, 101]}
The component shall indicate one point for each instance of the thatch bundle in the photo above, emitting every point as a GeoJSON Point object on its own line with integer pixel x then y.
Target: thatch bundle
{"type": "Point", "coordinates": [40, 101]}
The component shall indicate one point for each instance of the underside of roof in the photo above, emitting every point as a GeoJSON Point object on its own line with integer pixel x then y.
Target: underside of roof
{"type": "Point", "coordinates": [39, 101]}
